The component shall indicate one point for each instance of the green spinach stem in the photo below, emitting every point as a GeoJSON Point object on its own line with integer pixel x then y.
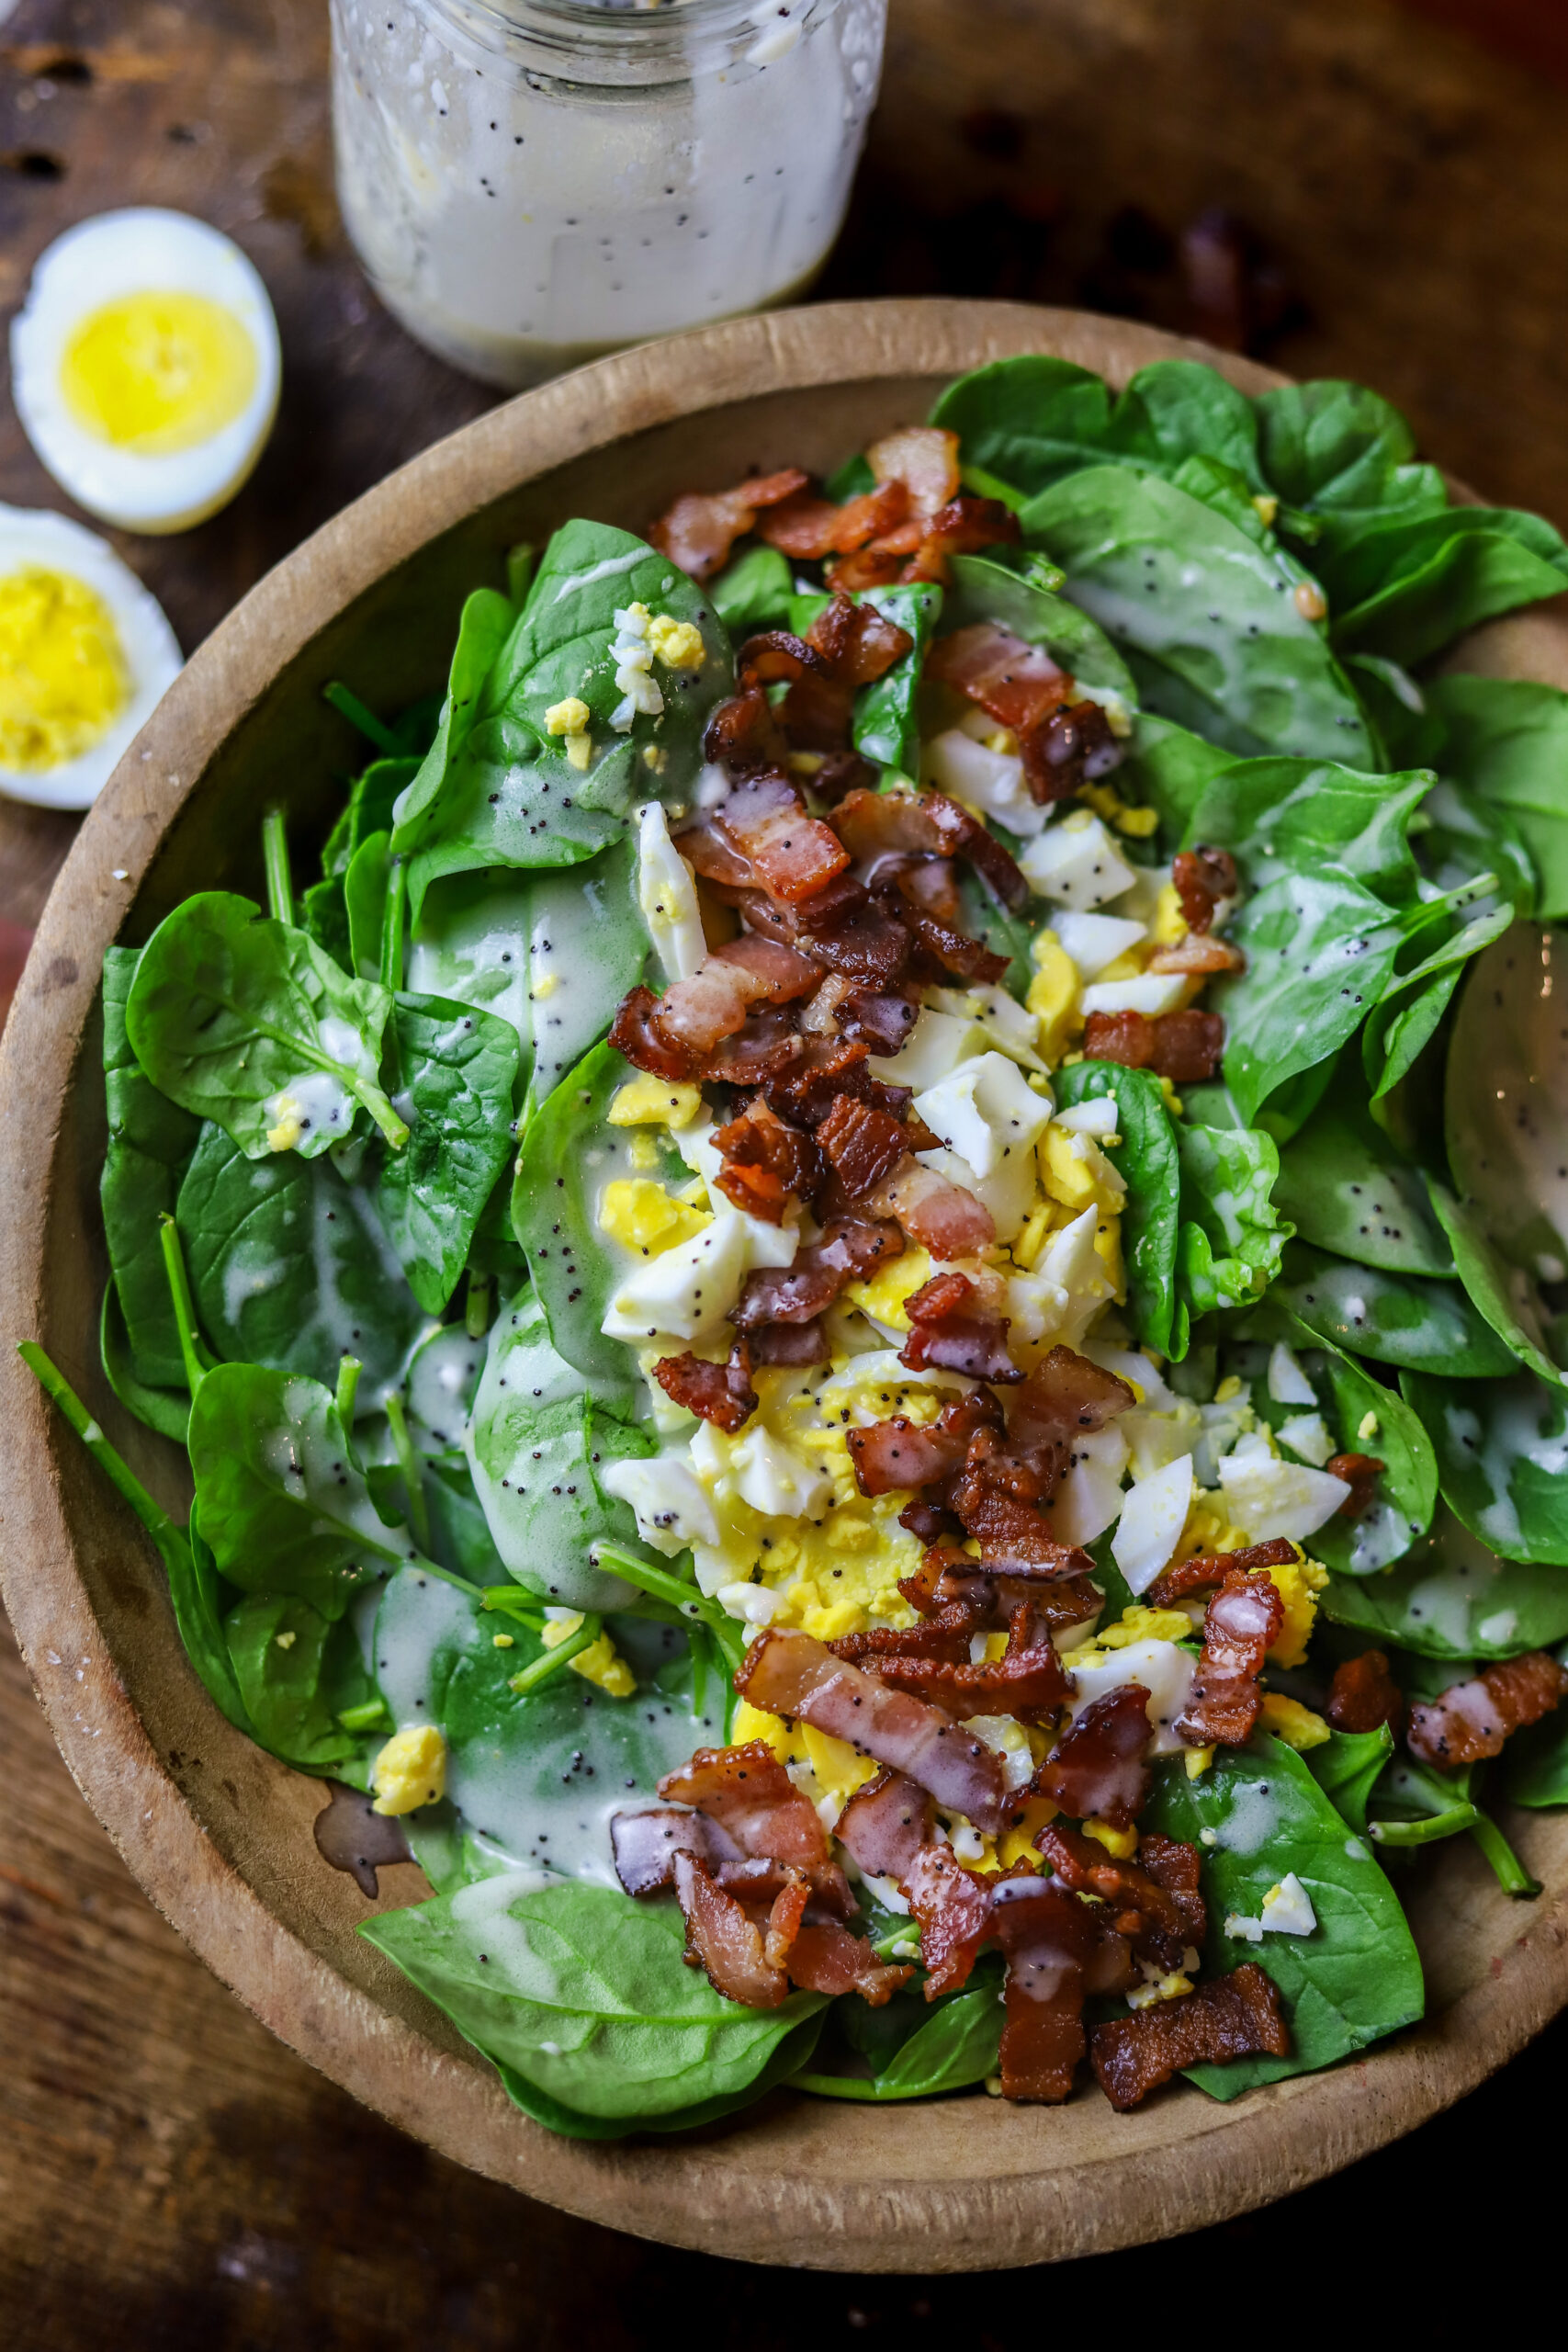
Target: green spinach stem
{"type": "Point", "coordinates": [392, 925]}
{"type": "Point", "coordinates": [408, 1463]}
{"type": "Point", "coordinates": [544, 1669]}
{"type": "Point", "coordinates": [197, 1357]}
{"type": "Point", "coordinates": [274, 854]}
{"type": "Point", "coordinates": [165, 1531]}
{"type": "Point", "coordinates": [349, 706]}
{"type": "Point", "coordinates": [348, 1371]}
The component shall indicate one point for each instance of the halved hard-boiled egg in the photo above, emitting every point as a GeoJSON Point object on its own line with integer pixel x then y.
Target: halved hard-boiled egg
{"type": "Point", "coordinates": [85, 652]}
{"type": "Point", "coordinates": [145, 367]}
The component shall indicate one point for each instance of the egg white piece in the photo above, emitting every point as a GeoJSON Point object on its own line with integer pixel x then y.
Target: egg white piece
{"type": "Point", "coordinates": [113, 257]}
{"type": "Point", "coordinates": [38, 541]}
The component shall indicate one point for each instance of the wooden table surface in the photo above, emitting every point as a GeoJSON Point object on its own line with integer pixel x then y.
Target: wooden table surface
{"type": "Point", "coordinates": [1349, 188]}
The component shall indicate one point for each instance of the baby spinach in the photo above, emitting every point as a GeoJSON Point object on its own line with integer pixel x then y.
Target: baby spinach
{"type": "Point", "coordinates": [794, 2051]}
{"type": "Point", "coordinates": [1231, 1238]}
{"type": "Point", "coordinates": [1407, 586]}
{"type": "Point", "coordinates": [497, 788]}
{"type": "Point", "coordinates": [585, 1996]}
{"type": "Point", "coordinates": [167, 1410]}
{"type": "Point", "coordinates": [364, 903]}
{"type": "Point", "coordinates": [1031, 420]}
{"type": "Point", "coordinates": [1506, 739]}
{"type": "Point", "coordinates": [1414, 1000]}
{"type": "Point", "coordinates": [1343, 457]}
{"type": "Point", "coordinates": [920, 2050]}
{"type": "Point", "coordinates": [1208, 618]}
{"type": "Point", "coordinates": [150, 1141]}
{"type": "Point", "coordinates": [1346, 1768]}
{"type": "Point", "coordinates": [1286, 815]}
{"type": "Point", "coordinates": [1501, 1449]}
{"type": "Point", "coordinates": [1406, 1320]}
{"type": "Point", "coordinates": [1537, 1769]}
{"type": "Point", "coordinates": [984, 590]}
{"type": "Point", "coordinates": [368, 809]}
{"type": "Point", "coordinates": [1503, 1295]}
{"type": "Point", "coordinates": [754, 592]}
{"type": "Point", "coordinates": [1147, 1159]}
{"type": "Point", "coordinates": [886, 728]}
{"type": "Point", "coordinates": [292, 1266]}
{"type": "Point", "coordinates": [228, 1011]}
{"type": "Point", "coordinates": [1357, 1975]}
{"type": "Point", "coordinates": [458, 1066]}
{"type": "Point", "coordinates": [298, 1673]}
{"type": "Point", "coordinates": [280, 1496]}
{"type": "Point", "coordinates": [1462, 838]}
{"type": "Point", "coordinates": [1320, 950]}
{"type": "Point", "coordinates": [1168, 768]}
{"type": "Point", "coordinates": [1451, 1598]}
{"type": "Point", "coordinates": [1347, 1187]}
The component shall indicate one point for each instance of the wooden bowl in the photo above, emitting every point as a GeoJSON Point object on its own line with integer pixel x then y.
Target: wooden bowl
{"type": "Point", "coordinates": [218, 1833]}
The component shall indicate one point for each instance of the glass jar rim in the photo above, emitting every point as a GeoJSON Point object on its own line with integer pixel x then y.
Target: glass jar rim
{"type": "Point", "coordinates": [641, 31]}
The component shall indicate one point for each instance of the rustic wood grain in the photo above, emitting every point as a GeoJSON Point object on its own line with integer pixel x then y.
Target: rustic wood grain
{"type": "Point", "coordinates": [169, 2174]}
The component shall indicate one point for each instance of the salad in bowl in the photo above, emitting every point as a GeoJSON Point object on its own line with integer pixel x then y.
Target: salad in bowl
{"type": "Point", "coordinates": [867, 1294]}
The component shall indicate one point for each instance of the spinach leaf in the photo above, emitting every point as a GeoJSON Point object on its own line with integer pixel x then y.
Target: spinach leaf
{"type": "Point", "coordinates": [792, 2052]}
{"type": "Point", "coordinates": [281, 1499]}
{"type": "Point", "coordinates": [1004, 933]}
{"type": "Point", "coordinates": [1168, 768]}
{"type": "Point", "coordinates": [1346, 1768]}
{"type": "Point", "coordinates": [1414, 1000]}
{"type": "Point", "coordinates": [497, 789]}
{"type": "Point", "coordinates": [754, 592]}
{"type": "Point", "coordinates": [1406, 1320]}
{"type": "Point", "coordinates": [944, 2046]}
{"type": "Point", "coordinates": [1147, 1159]}
{"type": "Point", "coordinates": [535, 1442]}
{"type": "Point", "coordinates": [439, 1386]}
{"type": "Point", "coordinates": [1357, 1977]}
{"type": "Point", "coordinates": [231, 1011]}
{"type": "Point", "coordinates": [1537, 1769]}
{"type": "Point", "coordinates": [1453, 1598]}
{"type": "Point", "coordinates": [1342, 455]}
{"type": "Point", "coordinates": [1320, 950]}
{"type": "Point", "coordinates": [887, 730]}
{"type": "Point", "coordinates": [290, 1266]}
{"type": "Point", "coordinates": [364, 903]}
{"type": "Point", "coordinates": [1501, 1135]}
{"type": "Point", "coordinates": [1501, 1449]}
{"type": "Point", "coordinates": [1506, 739]}
{"type": "Point", "coordinates": [1283, 816]}
{"type": "Point", "coordinates": [984, 590]}
{"type": "Point", "coordinates": [458, 1066]}
{"type": "Point", "coordinates": [167, 1410]}
{"type": "Point", "coordinates": [1405, 587]}
{"type": "Point", "coordinates": [1347, 1187]}
{"type": "Point", "coordinates": [1231, 1238]}
{"type": "Point", "coordinates": [1031, 419]}
{"type": "Point", "coordinates": [367, 810]}
{"type": "Point", "coordinates": [1217, 639]}
{"type": "Point", "coordinates": [585, 1996]}
{"type": "Point", "coordinates": [298, 1673]}
{"type": "Point", "coordinates": [1503, 1295]}
{"type": "Point", "coordinates": [1460, 838]}
{"type": "Point", "coordinates": [150, 1141]}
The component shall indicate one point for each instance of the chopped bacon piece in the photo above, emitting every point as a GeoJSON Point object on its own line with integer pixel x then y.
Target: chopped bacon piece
{"type": "Point", "coordinates": [827, 1959]}
{"type": "Point", "coordinates": [645, 1845]}
{"type": "Point", "coordinates": [924, 458]}
{"type": "Point", "coordinates": [1158, 1909]}
{"type": "Point", "coordinates": [1028, 1682]}
{"type": "Point", "coordinates": [767, 1161]}
{"type": "Point", "coordinates": [828, 1068]}
{"type": "Point", "coordinates": [747, 1792]}
{"type": "Point", "coordinates": [877, 566]}
{"type": "Point", "coordinates": [875, 825]}
{"type": "Point", "coordinates": [1017, 684]}
{"type": "Point", "coordinates": [1364, 1694]}
{"type": "Point", "coordinates": [946, 1633]}
{"type": "Point", "coordinates": [699, 530]}
{"type": "Point", "coordinates": [696, 1013]}
{"type": "Point", "coordinates": [778, 973]}
{"type": "Point", "coordinates": [765, 1045]}
{"type": "Point", "coordinates": [950, 1329]}
{"type": "Point", "coordinates": [954, 951]}
{"type": "Point", "coordinates": [1014, 1535]}
{"type": "Point", "coordinates": [1049, 1938]}
{"type": "Point", "coordinates": [1096, 1769]}
{"type": "Point", "coordinates": [789, 1674]}
{"type": "Point", "coordinates": [964, 526]}
{"type": "Point", "coordinates": [1240, 1624]}
{"type": "Point", "coordinates": [756, 1879]}
{"type": "Point", "coordinates": [859, 643]}
{"type": "Point", "coordinates": [724, 1941]}
{"type": "Point", "coordinates": [1236, 2016]}
{"type": "Point", "coordinates": [807, 528]}
{"type": "Point", "coordinates": [1072, 749]}
{"type": "Point", "coordinates": [897, 1453]}
{"type": "Point", "coordinates": [635, 1032]}
{"type": "Point", "coordinates": [720, 1393]}
{"type": "Point", "coordinates": [1064, 1393]}
{"type": "Point", "coordinates": [1472, 1719]}
{"type": "Point", "coordinates": [709, 851]}
{"type": "Point", "coordinates": [793, 854]}
{"type": "Point", "coordinates": [787, 1911]}
{"type": "Point", "coordinates": [862, 1143]}
{"type": "Point", "coordinates": [1178, 1869]}
{"type": "Point", "coordinates": [1360, 1473]}
{"type": "Point", "coordinates": [1204, 878]}
{"type": "Point", "coordinates": [1206, 1569]}
{"type": "Point", "coordinates": [850, 1249]}
{"type": "Point", "coordinates": [953, 1909]}
{"type": "Point", "coordinates": [940, 1215]}
{"type": "Point", "coordinates": [795, 1344]}
{"type": "Point", "coordinates": [884, 1826]}
{"type": "Point", "coordinates": [1200, 958]}
{"type": "Point", "coordinates": [1184, 1046]}
{"type": "Point", "coordinates": [884, 1021]}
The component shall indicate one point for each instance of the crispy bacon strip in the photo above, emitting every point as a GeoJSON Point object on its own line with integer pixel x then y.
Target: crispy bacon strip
{"type": "Point", "coordinates": [1469, 1720]}
{"type": "Point", "coordinates": [882, 1023]}
{"type": "Point", "coordinates": [850, 1249]}
{"type": "Point", "coordinates": [1199, 955]}
{"type": "Point", "coordinates": [1184, 1046]}
{"type": "Point", "coordinates": [954, 951]}
{"type": "Point", "coordinates": [798, 1344]}
{"type": "Point", "coordinates": [953, 1909]}
{"type": "Point", "coordinates": [1028, 1682]}
{"type": "Point", "coordinates": [1049, 1938]}
{"type": "Point", "coordinates": [768, 1162]}
{"type": "Point", "coordinates": [964, 526]}
{"type": "Point", "coordinates": [791, 853]}
{"type": "Point", "coordinates": [1360, 1473]}
{"type": "Point", "coordinates": [720, 1393]}
{"type": "Point", "coordinates": [893, 1453]}
{"type": "Point", "coordinates": [1204, 878]}
{"type": "Point", "coordinates": [862, 1143]}
{"type": "Point", "coordinates": [1014, 1535]}
{"type": "Point", "coordinates": [942, 1217]}
{"type": "Point", "coordinates": [859, 643]}
{"type": "Point", "coordinates": [1066, 1395]}
{"type": "Point", "coordinates": [765, 1043]}
{"type": "Point", "coordinates": [747, 1791]}
{"type": "Point", "coordinates": [1236, 2016]}
{"type": "Point", "coordinates": [807, 528]}
{"type": "Point", "coordinates": [635, 1033]}
{"type": "Point", "coordinates": [1206, 1569]}
{"type": "Point", "coordinates": [878, 825]}
{"type": "Point", "coordinates": [944, 1633]}
{"type": "Point", "coordinates": [1240, 1626]}
{"type": "Point", "coordinates": [725, 1942]}
{"type": "Point", "coordinates": [1364, 1694]}
{"type": "Point", "coordinates": [924, 458]}
{"type": "Point", "coordinates": [884, 1826]}
{"type": "Point", "coordinates": [825, 1958]}
{"type": "Point", "coordinates": [950, 1329]}
{"type": "Point", "coordinates": [645, 1845]}
{"type": "Point", "coordinates": [1096, 1768]}
{"type": "Point", "coordinates": [1154, 1901]}
{"type": "Point", "coordinates": [777, 974]}
{"type": "Point", "coordinates": [698, 531]}
{"type": "Point", "coordinates": [789, 1674]}
{"type": "Point", "coordinates": [1015, 684]}
{"type": "Point", "coordinates": [1072, 748]}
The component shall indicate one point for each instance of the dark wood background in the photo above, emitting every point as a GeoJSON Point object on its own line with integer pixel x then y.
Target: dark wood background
{"type": "Point", "coordinates": [1346, 188]}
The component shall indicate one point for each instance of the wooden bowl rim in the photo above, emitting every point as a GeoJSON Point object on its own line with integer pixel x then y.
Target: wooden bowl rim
{"type": "Point", "coordinates": [971, 2185]}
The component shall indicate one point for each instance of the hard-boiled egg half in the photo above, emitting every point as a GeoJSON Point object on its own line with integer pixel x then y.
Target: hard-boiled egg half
{"type": "Point", "coordinates": [145, 367]}
{"type": "Point", "coordinates": [85, 654]}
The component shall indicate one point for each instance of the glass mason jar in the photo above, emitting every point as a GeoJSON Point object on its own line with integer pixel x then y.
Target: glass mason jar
{"type": "Point", "coordinates": [530, 183]}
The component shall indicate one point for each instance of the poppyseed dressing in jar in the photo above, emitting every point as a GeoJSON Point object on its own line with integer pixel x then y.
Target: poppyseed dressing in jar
{"type": "Point", "coordinates": [530, 183]}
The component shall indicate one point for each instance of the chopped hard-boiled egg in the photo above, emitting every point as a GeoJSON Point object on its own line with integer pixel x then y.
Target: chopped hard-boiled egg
{"type": "Point", "coordinates": [1076, 864]}
{"type": "Point", "coordinates": [986, 779]}
{"type": "Point", "coordinates": [85, 655]}
{"type": "Point", "coordinates": [1094, 941]}
{"type": "Point", "coordinates": [667, 891]}
{"type": "Point", "coordinates": [1288, 1382]}
{"type": "Point", "coordinates": [989, 1118]}
{"type": "Point", "coordinates": [1153, 1517]}
{"type": "Point", "coordinates": [1271, 1497]}
{"type": "Point", "coordinates": [645, 1102]}
{"type": "Point", "coordinates": [672, 1505]}
{"type": "Point", "coordinates": [1307, 1435]}
{"type": "Point", "coordinates": [1162, 1668]}
{"type": "Point", "coordinates": [145, 367]}
{"type": "Point", "coordinates": [1287, 1911]}
{"type": "Point", "coordinates": [883, 1296]}
{"type": "Point", "coordinates": [411, 1769]}
{"type": "Point", "coordinates": [643, 1216]}
{"type": "Point", "coordinates": [1053, 996]}
{"type": "Point", "coordinates": [1150, 993]}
